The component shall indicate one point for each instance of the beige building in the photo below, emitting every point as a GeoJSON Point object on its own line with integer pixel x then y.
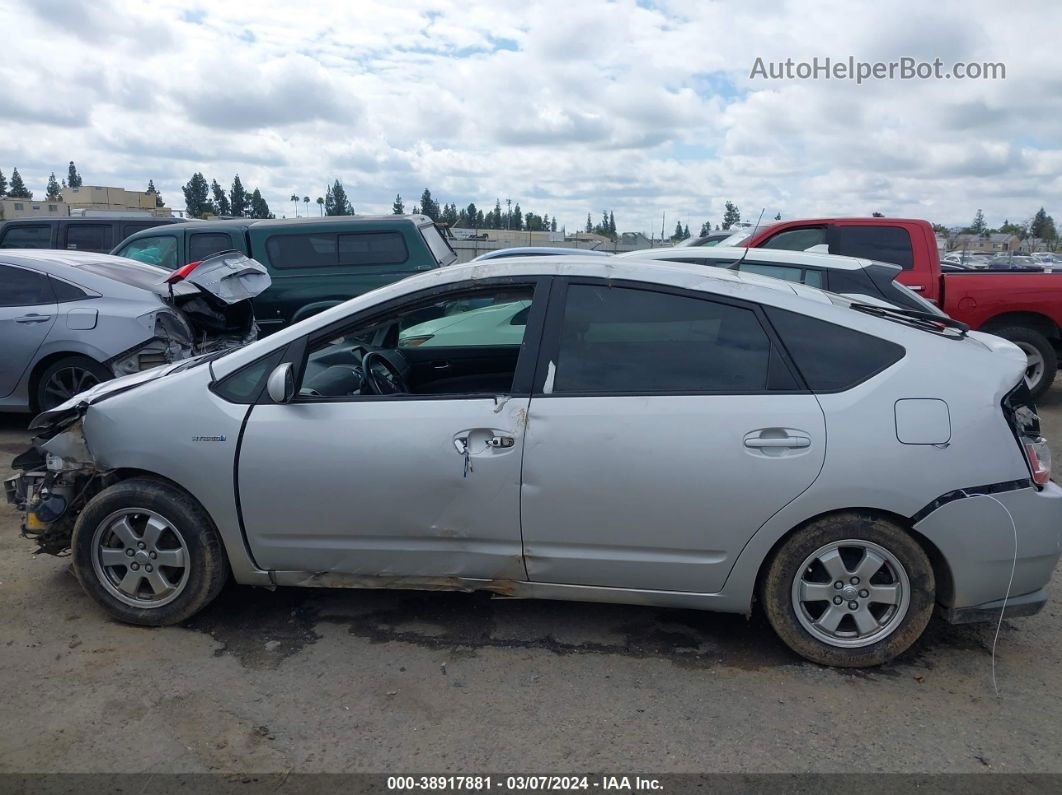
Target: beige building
{"type": "Point", "coordinates": [96, 197]}
{"type": "Point", "coordinates": [31, 208]}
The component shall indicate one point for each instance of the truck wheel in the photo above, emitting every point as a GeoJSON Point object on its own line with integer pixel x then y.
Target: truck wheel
{"type": "Point", "coordinates": [67, 377]}
{"type": "Point", "coordinates": [148, 553]}
{"type": "Point", "coordinates": [849, 590]}
{"type": "Point", "coordinates": [1043, 361]}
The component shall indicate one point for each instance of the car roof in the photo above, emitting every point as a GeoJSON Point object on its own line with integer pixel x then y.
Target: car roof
{"type": "Point", "coordinates": [766, 255]}
{"type": "Point", "coordinates": [516, 251]}
{"type": "Point", "coordinates": [272, 223]}
{"type": "Point", "coordinates": [50, 256]}
{"type": "Point", "coordinates": [101, 216]}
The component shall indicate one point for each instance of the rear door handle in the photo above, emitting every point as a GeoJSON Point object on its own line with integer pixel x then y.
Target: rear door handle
{"type": "Point", "coordinates": [785, 441]}
{"type": "Point", "coordinates": [33, 318]}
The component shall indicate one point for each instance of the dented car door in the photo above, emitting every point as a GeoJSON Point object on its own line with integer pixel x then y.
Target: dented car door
{"type": "Point", "coordinates": [419, 483]}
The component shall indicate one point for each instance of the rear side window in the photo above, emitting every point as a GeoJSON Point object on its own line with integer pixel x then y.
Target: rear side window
{"type": "Point", "coordinates": [883, 243]}
{"type": "Point", "coordinates": [326, 250]}
{"type": "Point", "coordinates": [832, 358]}
{"type": "Point", "coordinates": [21, 287]}
{"type": "Point", "coordinates": [617, 339]}
{"type": "Point", "coordinates": [89, 237]}
{"type": "Point", "coordinates": [132, 229]}
{"type": "Point", "coordinates": [372, 248]}
{"type": "Point", "coordinates": [797, 239]}
{"type": "Point", "coordinates": [203, 244]}
{"type": "Point", "coordinates": [27, 236]}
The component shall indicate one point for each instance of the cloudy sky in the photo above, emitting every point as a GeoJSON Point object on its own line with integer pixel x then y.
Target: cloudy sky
{"type": "Point", "coordinates": [565, 106]}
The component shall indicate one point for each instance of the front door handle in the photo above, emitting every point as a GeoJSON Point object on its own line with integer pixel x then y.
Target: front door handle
{"type": "Point", "coordinates": [33, 318]}
{"type": "Point", "coordinates": [784, 441]}
{"type": "Point", "coordinates": [501, 441]}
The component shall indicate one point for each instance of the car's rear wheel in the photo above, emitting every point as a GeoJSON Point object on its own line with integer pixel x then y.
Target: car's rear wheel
{"type": "Point", "coordinates": [849, 590]}
{"type": "Point", "coordinates": [1040, 354]}
{"type": "Point", "coordinates": [148, 553]}
{"type": "Point", "coordinates": [66, 377]}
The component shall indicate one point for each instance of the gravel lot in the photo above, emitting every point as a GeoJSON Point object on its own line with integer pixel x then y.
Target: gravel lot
{"type": "Point", "coordinates": [384, 681]}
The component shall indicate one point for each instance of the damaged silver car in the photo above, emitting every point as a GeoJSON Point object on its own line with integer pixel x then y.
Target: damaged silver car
{"type": "Point", "coordinates": [70, 320]}
{"type": "Point", "coordinates": [573, 428]}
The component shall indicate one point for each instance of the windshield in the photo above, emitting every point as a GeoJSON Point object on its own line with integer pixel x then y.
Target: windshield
{"type": "Point", "coordinates": [439, 246]}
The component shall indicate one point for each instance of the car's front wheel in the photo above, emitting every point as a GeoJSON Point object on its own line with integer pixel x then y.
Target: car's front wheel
{"type": "Point", "coordinates": [849, 590]}
{"type": "Point", "coordinates": [148, 553]}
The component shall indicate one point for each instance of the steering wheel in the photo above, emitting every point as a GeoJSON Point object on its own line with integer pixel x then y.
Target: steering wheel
{"type": "Point", "coordinates": [383, 374]}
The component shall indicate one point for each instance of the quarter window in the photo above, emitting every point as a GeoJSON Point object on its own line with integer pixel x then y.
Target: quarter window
{"type": "Point", "coordinates": [832, 358]}
{"type": "Point", "coordinates": [21, 287]}
{"type": "Point", "coordinates": [812, 278]}
{"type": "Point", "coordinates": [27, 236]}
{"type": "Point", "coordinates": [882, 243]}
{"type": "Point", "coordinates": [616, 339]}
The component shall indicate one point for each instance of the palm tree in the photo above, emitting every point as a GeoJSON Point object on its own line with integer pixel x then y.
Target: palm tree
{"type": "Point", "coordinates": [320, 202]}
{"type": "Point", "coordinates": [295, 199]}
{"type": "Point", "coordinates": [306, 201]}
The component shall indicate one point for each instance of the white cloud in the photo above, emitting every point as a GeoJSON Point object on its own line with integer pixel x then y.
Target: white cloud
{"type": "Point", "coordinates": [642, 108]}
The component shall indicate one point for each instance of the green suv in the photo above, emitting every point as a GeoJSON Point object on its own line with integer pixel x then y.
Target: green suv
{"type": "Point", "coordinates": [314, 263]}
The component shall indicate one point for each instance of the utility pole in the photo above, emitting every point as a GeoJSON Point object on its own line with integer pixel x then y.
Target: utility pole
{"type": "Point", "coordinates": [508, 213]}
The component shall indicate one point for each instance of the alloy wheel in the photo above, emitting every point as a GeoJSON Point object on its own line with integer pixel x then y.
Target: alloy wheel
{"type": "Point", "coordinates": [1034, 369]}
{"type": "Point", "coordinates": [851, 593]}
{"type": "Point", "coordinates": [140, 557]}
{"type": "Point", "coordinates": [66, 383]}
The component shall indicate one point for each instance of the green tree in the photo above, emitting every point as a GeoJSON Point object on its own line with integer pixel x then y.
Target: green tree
{"type": "Point", "coordinates": [778, 216]}
{"type": "Point", "coordinates": [73, 179]}
{"type": "Point", "coordinates": [612, 224]}
{"type": "Point", "coordinates": [320, 203]}
{"type": "Point", "coordinates": [239, 199]}
{"type": "Point", "coordinates": [221, 201]}
{"type": "Point", "coordinates": [553, 224]}
{"type": "Point", "coordinates": [589, 223]}
{"type": "Point", "coordinates": [449, 215]}
{"type": "Point", "coordinates": [336, 202]}
{"type": "Point", "coordinates": [197, 196]}
{"type": "Point", "coordinates": [731, 215]}
{"type": "Point", "coordinates": [516, 220]}
{"type": "Point", "coordinates": [3, 184]}
{"type": "Point", "coordinates": [158, 196]}
{"type": "Point", "coordinates": [259, 207]}
{"type": "Point", "coordinates": [18, 189]}
{"type": "Point", "coordinates": [295, 199]}
{"type": "Point", "coordinates": [706, 229]}
{"type": "Point", "coordinates": [471, 214]}
{"type": "Point", "coordinates": [678, 231]}
{"type": "Point", "coordinates": [52, 193]}
{"type": "Point", "coordinates": [1006, 228]}
{"type": "Point", "coordinates": [306, 201]}
{"type": "Point", "coordinates": [978, 226]}
{"type": "Point", "coordinates": [1042, 226]}
{"type": "Point", "coordinates": [686, 232]}
{"type": "Point", "coordinates": [428, 205]}
{"type": "Point", "coordinates": [398, 208]}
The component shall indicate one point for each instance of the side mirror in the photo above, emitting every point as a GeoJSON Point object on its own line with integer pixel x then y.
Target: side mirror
{"type": "Point", "coordinates": [281, 383]}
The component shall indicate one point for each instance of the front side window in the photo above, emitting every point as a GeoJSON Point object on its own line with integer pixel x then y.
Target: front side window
{"type": "Point", "coordinates": [797, 239]}
{"type": "Point", "coordinates": [27, 236]}
{"type": "Point", "coordinates": [88, 237]}
{"type": "Point", "coordinates": [160, 250]}
{"type": "Point", "coordinates": [465, 343]}
{"type": "Point", "coordinates": [882, 243]}
{"type": "Point", "coordinates": [627, 340]}
{"type": "Point", "coordinates": [22, 287]}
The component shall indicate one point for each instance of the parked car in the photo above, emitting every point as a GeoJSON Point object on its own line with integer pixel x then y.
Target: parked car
{"type": "Point", "coordinates": [96, 233]}
{"type": "Point", "coordinates": [657, 435]}
{"type": "Point", "coordinates": [714, 239]}
{"type": "Point", "coordinates": [846, 275]}
{"type": "Point", "coordinates": [1025, 308]}
{"type": "Point", "coordinates": [315, 263]}
{"type": "Point", "coordinates": [70, 320]}
{"type": "Point", "coordinates": [539, 251]}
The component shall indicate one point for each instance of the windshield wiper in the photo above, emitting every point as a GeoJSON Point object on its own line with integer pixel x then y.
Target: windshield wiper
{"type": "Point", "coordinates": [938, 324]}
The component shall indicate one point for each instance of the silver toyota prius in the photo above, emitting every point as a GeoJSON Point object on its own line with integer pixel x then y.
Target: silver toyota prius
{"type": "Point", "coordinates": [573, 428]}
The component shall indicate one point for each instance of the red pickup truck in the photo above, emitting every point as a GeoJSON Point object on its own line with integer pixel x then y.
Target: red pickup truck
{"type": "Point", "coordinates": [1023, 307]}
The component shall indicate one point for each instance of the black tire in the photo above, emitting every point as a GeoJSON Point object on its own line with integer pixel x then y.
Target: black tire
{"type": "Point", "coordinates": [1027, 337]}
{"type": "Point", "coordinates": [206, 566]}
{"type": "Point", "coordinates": [777, 589]}
{"type": "Point", "coordinates": [70, 370]}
